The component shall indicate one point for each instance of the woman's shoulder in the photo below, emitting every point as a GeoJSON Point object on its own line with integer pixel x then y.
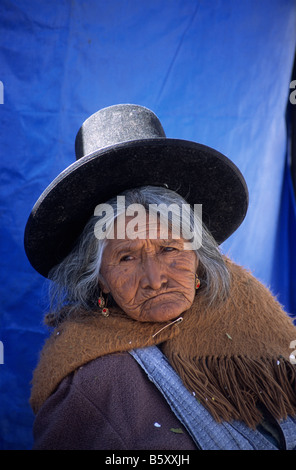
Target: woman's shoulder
{"type": "Point", "coordinates": [106, 371]}
{"type": "Point", "coordinates": [102, 385]}
{"type": "Point", "coordinates": [108, 403]}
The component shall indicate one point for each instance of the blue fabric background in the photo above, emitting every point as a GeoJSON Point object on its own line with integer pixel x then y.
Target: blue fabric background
{"type": "Point", "coordinates": [217, 72]}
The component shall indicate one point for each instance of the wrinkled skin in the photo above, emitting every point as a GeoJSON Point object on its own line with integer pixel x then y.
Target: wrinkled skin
{"type": "Point", "coordinates": [151, 280]}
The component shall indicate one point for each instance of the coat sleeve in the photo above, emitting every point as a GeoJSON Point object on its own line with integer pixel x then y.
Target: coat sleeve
{"type": "Point", "coordinates": [69, 420]}
{"type": "Point", "coordinates": [109, 404]}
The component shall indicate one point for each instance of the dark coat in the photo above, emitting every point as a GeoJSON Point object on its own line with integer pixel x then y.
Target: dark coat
{"type": "Point", "coordinates": [109, 404]}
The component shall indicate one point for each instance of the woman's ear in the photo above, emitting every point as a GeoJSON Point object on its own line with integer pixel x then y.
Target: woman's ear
{"type": "Point", "coordinates": [196, 263]}
{"type": "Point", "coordinates": [103, 285]}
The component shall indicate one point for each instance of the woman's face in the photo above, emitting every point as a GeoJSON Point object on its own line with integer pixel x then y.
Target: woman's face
{"type": "Point", "coordinates": [151, 280]}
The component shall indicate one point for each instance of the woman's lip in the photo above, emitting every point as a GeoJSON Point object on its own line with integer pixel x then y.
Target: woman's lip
{"type": "Point", "coordinates": [160, 295]}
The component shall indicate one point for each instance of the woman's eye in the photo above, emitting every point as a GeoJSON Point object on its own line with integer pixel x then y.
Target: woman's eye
{"type": "Point", "coordinates": [126, 258]}
{"type": "Point", "coordinates": [168, 249]}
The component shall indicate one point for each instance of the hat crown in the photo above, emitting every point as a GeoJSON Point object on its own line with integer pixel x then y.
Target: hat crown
{"type": "Point", "coordinates": [116, 124]}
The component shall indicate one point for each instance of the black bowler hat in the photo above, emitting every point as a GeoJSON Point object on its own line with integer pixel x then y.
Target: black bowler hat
{"type": "Point", "coordinates": [123, 147]}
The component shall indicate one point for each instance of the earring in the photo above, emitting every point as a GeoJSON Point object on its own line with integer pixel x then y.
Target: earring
{"type": "Point", "coordinates": [103, 306]}
{"type": "Point", "coordinates": [197, 282]}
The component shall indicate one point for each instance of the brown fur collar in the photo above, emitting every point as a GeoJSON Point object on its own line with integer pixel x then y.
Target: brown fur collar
{"type": "Point", "coordinates": [233, 357]}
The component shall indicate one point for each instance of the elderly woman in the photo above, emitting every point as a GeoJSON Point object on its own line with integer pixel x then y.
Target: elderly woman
{"type": "Point", "coordinates": [160, 342]}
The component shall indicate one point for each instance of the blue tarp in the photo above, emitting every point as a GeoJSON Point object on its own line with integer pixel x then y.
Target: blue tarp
{"type": "Point", "coordinates": [216, 72]}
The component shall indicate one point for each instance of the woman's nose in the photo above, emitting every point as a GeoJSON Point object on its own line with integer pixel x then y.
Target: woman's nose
{"type": "Point", "coordinates": [154, 275]}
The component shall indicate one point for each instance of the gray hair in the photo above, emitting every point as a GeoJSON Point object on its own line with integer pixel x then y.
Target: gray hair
{"type": "Point", "coordinates": [75, 281]}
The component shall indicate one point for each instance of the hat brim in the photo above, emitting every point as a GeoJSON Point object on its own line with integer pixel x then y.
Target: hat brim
{"type": "Point", "coordinates": [200, 174]}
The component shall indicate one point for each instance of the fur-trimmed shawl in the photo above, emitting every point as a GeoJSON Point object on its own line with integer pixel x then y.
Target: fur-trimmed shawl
{"type": "Point", "coordinates": [233, 357]}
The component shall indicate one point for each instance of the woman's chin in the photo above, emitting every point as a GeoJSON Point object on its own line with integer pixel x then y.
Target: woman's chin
{"type": "Point", "coordinates": [162, 310]}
